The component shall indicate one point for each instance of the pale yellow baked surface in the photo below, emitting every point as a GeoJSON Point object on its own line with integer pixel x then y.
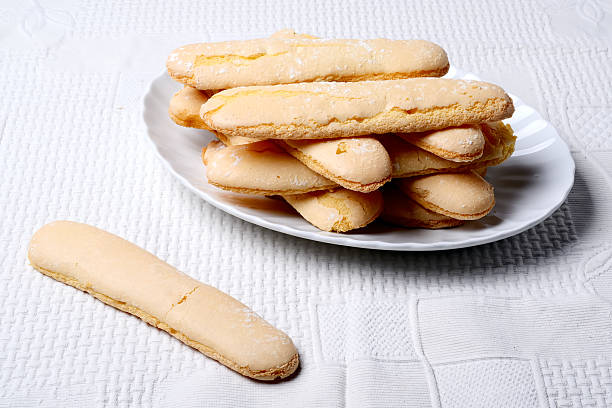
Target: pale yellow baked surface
{"type": "Point", "coordinates": [399, 209]}
{"type": "Point", "coordinates": [131, 279]}
{"type": "Point", "coordinates": [260, 168]}
{"type": "Point", "coordinates": [459, 144]}
{"type": "Point", "coordinates": [185, 107]}
{"type": "Point", "coordinates": [291, 58]}
{"type": "Point", "coordinates": [463, 196]}
{"type": "Point", "coordinates": [341, 109]}
{"type": "Point", "coordinates": [354, 114]}
{"type": "Point", "coordinates": [339, 210]}
{"type": "Point", "coordinates": [359, 164]}
{"type": "Point", "coordinates": [408, 160]}
{"type": "Point", "coordinates": [234, 140]}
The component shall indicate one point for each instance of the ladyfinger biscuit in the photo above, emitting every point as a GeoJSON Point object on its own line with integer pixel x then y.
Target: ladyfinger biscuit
{"type": "Point", "coordinates": [286, 59]}
{"type": "Point", "coordinates": [399, 209]}
{"type": "Point", "coordinates": [340, 210]}
{"type": "Point", "coordinates": [259, 168]}
{"type": "Point", "coordinates": [458, 144]}
{"type": "Point", "coordinates": [234, 140]}
{"type": "Point", "coordinates": [184, 110]}
{"type": "Point", "coordinates": [408, 160]}
{"type": "Point", "coordinates": [359, 164]}
{"type": "Point", "coordinates": [463, 196]}
{"type": "Point", "coordinates": [185, 106]}
{"type": "Point", "coordinates": [131, 279]}
{"type": "Point", "coordinates": [331, 110]}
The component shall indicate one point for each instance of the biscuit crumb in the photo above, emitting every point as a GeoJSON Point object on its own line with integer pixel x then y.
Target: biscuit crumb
{"type": "Point", "coordinates": [342, 148]}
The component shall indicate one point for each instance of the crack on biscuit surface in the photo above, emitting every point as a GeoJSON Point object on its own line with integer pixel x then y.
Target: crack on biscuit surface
{"type": "Point", "coordinates": [228, 58]}
{"type": "Point", "coordinates": [342, 223]}
{"type": "Point", "coordinates": [182, 299]}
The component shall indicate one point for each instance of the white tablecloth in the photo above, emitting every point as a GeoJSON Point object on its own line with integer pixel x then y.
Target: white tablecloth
{"type": "Point", "coordinates": [524, 322]}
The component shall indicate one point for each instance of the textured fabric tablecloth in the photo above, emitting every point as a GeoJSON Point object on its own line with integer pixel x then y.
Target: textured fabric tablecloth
{"type": "Point", "coordinates": [524, 322]}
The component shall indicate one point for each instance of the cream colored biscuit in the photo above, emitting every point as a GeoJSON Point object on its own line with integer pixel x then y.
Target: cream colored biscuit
{"type": "Point", "coordinates": [360, 164]}
{"type": "Point", "coordinates": [458, 144]}
{"type": "Point", "coordinates": [408, 160]}
{"type": "Point", "coordinates": [185, 111]}
{"type": "Point", "coordinates": [234, 140]}
{"type": "Point", "coordinates": [259, 168]}
{"type": "Point", "coordinates": [185, 104]}
{"type": "Point", "coordinates": [399, 209]}
{"type": "Point", "coordinates": [463, 196]}
{"type": "Point", "coordinates": [331, 110]}
{"type": "Point", "coordinates": [340, 210]}
{"type": "Point", "coordinates": [185, 107]}
{"type": "Point", "coordinates": [131, 279]}
{"type": "Point", "coordinates": [286, 58]}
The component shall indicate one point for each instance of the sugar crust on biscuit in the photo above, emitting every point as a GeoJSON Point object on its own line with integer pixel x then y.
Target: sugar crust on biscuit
{"type": "Point", "coordinates": [331, 110]}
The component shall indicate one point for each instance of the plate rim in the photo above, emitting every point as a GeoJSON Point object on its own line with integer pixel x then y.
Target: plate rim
{"type": "Point", "coordinates": [345, 240]}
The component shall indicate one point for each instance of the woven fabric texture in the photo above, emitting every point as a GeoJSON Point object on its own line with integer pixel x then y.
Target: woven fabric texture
{"type": "Point", "coordinates": [523, 322]}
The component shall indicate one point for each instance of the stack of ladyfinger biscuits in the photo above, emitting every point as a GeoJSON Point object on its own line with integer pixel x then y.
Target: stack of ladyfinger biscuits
{"type": "Point", "coordinates": [345, 130]}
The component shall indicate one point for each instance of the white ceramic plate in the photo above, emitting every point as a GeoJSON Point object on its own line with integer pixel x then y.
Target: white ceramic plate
{"type": "Point", "coordinates": [529, 186]}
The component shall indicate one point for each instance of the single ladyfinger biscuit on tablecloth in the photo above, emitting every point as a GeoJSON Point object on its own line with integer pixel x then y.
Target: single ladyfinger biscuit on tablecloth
{"type": "Point", "coordinates": [131, 279]}
{"type": "Point", "coordinates": [339, 210]}
{"type": "Point", "coordinates": [259, 168]}
{"type": "Point", "coordinates": [185, 106]}
{"type": "Point", "coordinates": [463, 196]}
{"type": "Point", "coordinates": [359, 164]}
{"type": "Point", "coordinates": [286, 58]}
{"type": "Point", "coordinates": [340, 109]}
{"type": "Point", "coordinates": [399, 209]}
{"type": "Point", "coordinates": [458, 144]}
{"type": "Point", "coordinates": [408, 160]}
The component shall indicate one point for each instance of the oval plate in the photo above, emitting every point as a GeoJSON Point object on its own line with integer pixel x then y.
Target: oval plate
{"type": "Point", "coordinates": [529, 186]}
